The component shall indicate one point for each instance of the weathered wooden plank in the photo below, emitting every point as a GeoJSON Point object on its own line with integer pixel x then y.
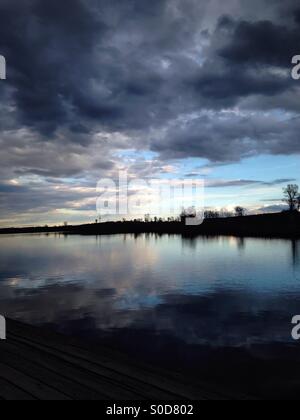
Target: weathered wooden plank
{"type": "Point", "coordinates": [34, 387]}
{"type": "Point", "coordinates": [29, 364]}
{"type": "Point", "coordinates": [72, 369]}
{"type": "Point", "coordinates": [10, 392]}
{"type": "Point", "coordinates": [39, 364]}
{"type": "Point", "coordinates": [106, 365]}
{"type": "Point", "coordinates": [113, 384]}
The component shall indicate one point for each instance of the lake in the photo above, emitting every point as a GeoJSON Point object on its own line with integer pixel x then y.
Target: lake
{"type": "Point", "coordinates": [218, 308]}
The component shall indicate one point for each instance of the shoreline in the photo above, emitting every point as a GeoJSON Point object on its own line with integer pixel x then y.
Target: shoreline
{"type": "Point", "coordinates": [278, 225]}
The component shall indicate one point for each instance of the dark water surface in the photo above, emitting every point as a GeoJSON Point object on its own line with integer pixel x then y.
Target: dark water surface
{"type": "Point", "coordinates": [219, 309]}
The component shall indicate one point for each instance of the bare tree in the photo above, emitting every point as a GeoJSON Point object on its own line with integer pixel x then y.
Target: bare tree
{"type": "Point", "coordinates": [224, 213]}
{"type": "Point", "coordinates": [211, 214]}
{"type": "Point", "coordinates": [291, 196]}
{"type": "Point", "coordinates": [240, 211]}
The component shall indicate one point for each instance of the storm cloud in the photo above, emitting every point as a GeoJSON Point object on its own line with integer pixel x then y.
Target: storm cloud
{"type": "Point", "coordinates": [182, 79]}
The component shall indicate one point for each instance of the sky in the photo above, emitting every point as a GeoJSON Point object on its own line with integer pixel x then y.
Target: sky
{"type": "Point", "coordinates": [183, 89]}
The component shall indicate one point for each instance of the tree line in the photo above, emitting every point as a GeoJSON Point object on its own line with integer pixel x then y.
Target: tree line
{"type": "Point", "coordinates": [291, 198]}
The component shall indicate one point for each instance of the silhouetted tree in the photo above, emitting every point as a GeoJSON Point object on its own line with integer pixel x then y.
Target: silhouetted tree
{"type": "Point", "coordinates": [292, 198]}
{"type": "Point", "coordinates": [210, 214]}
{"type": "Point", "coordinates": [240, 211]}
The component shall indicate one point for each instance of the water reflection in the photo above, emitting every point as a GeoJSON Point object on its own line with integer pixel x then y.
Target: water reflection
{"type": "Point", "coordinates": [241, 243]}
{"type": "Point", "coordinates": [163, 298]}
{"type": "Point", "coordinates": [295, 252]}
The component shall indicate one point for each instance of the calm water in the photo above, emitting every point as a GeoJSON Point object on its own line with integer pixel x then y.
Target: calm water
{"type": "Point", "coordinates": [218, 308]}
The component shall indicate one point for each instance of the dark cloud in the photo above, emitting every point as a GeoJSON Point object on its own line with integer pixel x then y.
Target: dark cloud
{"type": "Point", "coordinates": [48, 50]}
{"type": "Point", "coordinates": [230, 136]}
{"type": "Point", "coordinates": [6, 189]}
{"type": "Point", "coordinates": [279, 181]}
{"type": "Point", "coordinates": [92, 61]}
{"type": "Point", "coordinates": [245, 183]}
{"type": "Point", "coordinates": [259, 43]}
{"type": "Point", "coordinates": [132, 65]}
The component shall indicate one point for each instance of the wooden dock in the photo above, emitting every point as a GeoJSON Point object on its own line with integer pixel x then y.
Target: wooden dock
{"type": "Point", "coordinates": [36, 364]}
